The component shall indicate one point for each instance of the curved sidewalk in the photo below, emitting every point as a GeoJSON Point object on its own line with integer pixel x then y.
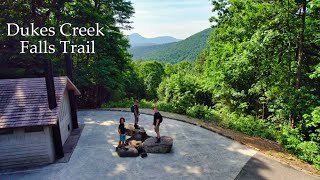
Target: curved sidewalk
{"type": "Point", "coordinates": [197, 154]}
{"type": "Point", "coordinates": [281, 163]}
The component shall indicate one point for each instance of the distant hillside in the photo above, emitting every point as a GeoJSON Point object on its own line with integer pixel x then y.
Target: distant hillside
{"type": "Point", "coordinates": [138, 40]}
{"type": "Point", "coordinates": [187, 49]}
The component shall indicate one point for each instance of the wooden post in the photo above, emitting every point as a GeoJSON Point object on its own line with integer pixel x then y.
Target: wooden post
{"type": "Point", "coordinates": [72, 98]}
{"type": "Point", "coordinates": [51, 92]}
{"type": "Point", "coordinates": [57, 141]}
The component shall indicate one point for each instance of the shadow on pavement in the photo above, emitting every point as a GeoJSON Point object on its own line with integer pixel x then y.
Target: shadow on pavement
{"type": "Point", "coordinates": [263, 167]}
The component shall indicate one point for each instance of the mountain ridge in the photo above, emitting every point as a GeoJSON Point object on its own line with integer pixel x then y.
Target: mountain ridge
{"type": "Point", "coordinates": [174, 52]}
{"type": "Point", "coordinates": [136, 39]}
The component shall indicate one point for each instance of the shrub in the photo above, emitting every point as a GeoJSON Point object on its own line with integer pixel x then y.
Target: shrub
{"type": "Point", "coordinates": [312, 124]}
{"type": "Point", "coordinates": [290, 138]}
{"type": "Point", "coordinates": [146, 104]}
{"type": "Point", "coordinates": [125, 103]}
{"type": "Point", "coordinates": [162, 106]}
{"type": "Point", "coordinates": [182, 102]}
{"type": "Point", "coordinates": [250, 125]}
{"type": "Point", "coordinates": [309, 151]}
{"type": "Point", "coordinates": [199, 111]}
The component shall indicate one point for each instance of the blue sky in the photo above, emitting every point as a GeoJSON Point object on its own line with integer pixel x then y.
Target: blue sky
{"type": "Point", "coordinates": [177, 18]}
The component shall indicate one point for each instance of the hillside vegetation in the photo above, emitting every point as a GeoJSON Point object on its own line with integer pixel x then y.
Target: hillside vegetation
{"type": "Point", "coordinates": [260, 73]}
{"type": "Point", "coordinates": [187, 49]}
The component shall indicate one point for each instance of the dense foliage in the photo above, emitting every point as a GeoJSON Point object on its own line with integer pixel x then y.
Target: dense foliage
{"type": "Point", "coordinates": [259, 74]}
{"type": "Point", "coordinates": [151, 73]}
{"type": "Point", "coordinates": [262, 62]}
{"type": "Point", "coordinates": [187, 49]}
{"type": "Point", "coordinates": [99, 76]}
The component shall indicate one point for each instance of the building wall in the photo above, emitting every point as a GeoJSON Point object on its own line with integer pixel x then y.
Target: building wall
{"type": "Point", "coordinates": [20, 148]}
{"type": "Point", "coordinates": [24, 149]}
{"type": "Point", "coordinates": [64, 117]}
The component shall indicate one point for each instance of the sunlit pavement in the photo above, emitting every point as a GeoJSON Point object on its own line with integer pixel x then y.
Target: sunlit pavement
{"type": "Point", "coordinates": [197, 154]}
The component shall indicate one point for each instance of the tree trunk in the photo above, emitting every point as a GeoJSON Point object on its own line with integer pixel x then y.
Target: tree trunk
{"type": "Point", "coordinates": [300, 57]}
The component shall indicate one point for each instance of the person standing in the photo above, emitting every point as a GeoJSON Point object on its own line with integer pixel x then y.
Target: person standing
{"type": "Point", "coordinates": [136, 114]}
{"type": "Point", "coordinates": [122, 132]}
{"type": "Point", "coordinates": [157, 120]}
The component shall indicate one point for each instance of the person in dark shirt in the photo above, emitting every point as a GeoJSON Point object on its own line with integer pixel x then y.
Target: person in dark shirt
{"type": "Point", "coordinates": [157, 119]}
{"type": "Point", "coordinates": [136, 114]}
{"type": "Point", "coordinates": [122, 132]}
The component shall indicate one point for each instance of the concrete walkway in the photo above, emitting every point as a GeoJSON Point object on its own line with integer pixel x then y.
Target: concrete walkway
{"type": "Point", "coordinates": [197, 154]}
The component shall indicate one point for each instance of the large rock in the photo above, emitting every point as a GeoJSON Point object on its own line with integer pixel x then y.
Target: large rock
{"type": "Point", "coordinates": [131, 130]}
{"type": "Point", "coordinates": [134, 143]}
{"type": "Point", "coordinates": [128, 151]}
{"type": "Point", "coordinates": [136, 134]}
{"type": "Point", "coordinates": [150, 145]}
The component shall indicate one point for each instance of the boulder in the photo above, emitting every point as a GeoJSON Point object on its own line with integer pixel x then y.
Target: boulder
{"type": "Point", "coordinates": [150, 145]}
{"type": "Point", "coordinates": [136, 134]}
{"type": "Point", "coordinates": [130, 130]}
{"type": "Point", "coordinates": [134, 143]}
{"type": "Point", "coordinates": [128, 151]}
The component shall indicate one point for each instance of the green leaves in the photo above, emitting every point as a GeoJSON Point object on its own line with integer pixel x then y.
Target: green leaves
{"type": "Point", "coordinates": [151, 72]}
{"type": "Point", "coordinates": [251, 68]}
{"type": "Point", "coordinates": [97, 75]}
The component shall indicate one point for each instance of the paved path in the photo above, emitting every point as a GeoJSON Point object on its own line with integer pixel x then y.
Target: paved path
{"type": "Point", "coordinates": [197, 154]}
{"type": "Point", "coordinates": [262, 167]}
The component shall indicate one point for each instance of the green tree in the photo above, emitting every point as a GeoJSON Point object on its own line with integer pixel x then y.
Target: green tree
{"type": "Point", "coordinates": [151, 72]}
{"type": "Point", "coordinates": [182, 87]}
{"type": "Point", "coordinates": [252, 56]}
{"type": "Point", "coordinates": [100, 76]}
